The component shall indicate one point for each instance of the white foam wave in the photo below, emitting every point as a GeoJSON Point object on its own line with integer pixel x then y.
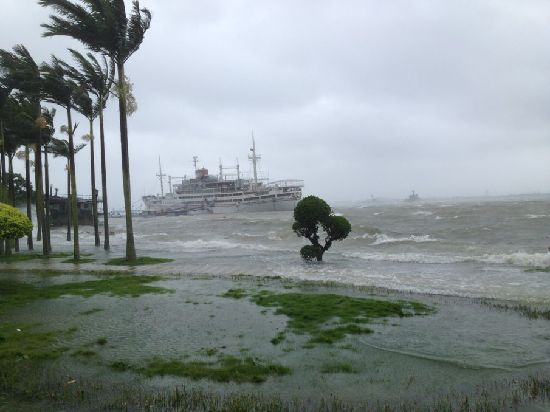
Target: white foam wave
{"type": "Point", "coordinates": [407, 257]}
{"type": "Point", "coordinates": [201, 244]}
{"type": "Point", "coordinates": [519, 259]}
{"type": "Point", "coordinates": [537, 216]}
{"type": "Point", "coordinates": [422, 213]}
{"type": "Point", "coordinates": [381, 239]}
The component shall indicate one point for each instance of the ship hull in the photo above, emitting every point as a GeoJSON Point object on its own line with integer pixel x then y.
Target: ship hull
{"type": "Point", "coordinates": [177, 209]}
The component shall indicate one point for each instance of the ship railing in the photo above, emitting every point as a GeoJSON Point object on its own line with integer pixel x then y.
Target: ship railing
{"type": "Point", "coordinates": [287, 183]}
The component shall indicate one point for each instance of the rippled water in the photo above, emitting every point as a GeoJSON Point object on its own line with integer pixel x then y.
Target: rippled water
{"type": "Point", "coordinates": [463, 248]}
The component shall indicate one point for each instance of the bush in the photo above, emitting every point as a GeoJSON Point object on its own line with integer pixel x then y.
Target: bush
{"type": "Point", "coordinates": [312, 213]}
{"type": "Point", "coordinates": [13, 223]}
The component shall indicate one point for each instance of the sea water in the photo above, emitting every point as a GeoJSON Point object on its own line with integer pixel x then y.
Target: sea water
{"type": "Point", "coordinates": [470, 248]}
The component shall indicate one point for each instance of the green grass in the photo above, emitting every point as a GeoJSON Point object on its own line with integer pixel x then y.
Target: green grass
{"type": "Point", "coordinates": [25, 256]}
{"type": "Point", "coordinates": [225, 369]}
{"type": "Point", "coordinates": [235, 294]}
{"type": "Point", "coordinates": [539, 269]}
{"type": "Point", "coordinates": [18, 342]}
{"type": "Point", "coordinates": [78, 261]}
{"type": "Point", "coordinates": [101, 341]}
{"type": "Point", "coordinates": [281, 336]}
{"type": "Point", "coordinates": [14, 293]}
{"type": "Point", "coordinates": [84, 353]}
{"type": "Point", "coordinates": [140, 261]}
{"type": "Point", "coordinates": [52, 272]}
{"type": "Point", "coordinates": [328, 318]}
{"type": "Point", "coordinates": [338, 367]}
{"type": "Point", "coordinates": [90, 312]}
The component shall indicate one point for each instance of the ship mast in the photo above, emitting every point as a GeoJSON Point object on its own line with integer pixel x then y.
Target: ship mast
{"type": "Point", "coordinates": [254, 159]}
{"type": "Point", "coordinates": [161, 178]}
{"type": "Point", "coordinates": [195, 161]}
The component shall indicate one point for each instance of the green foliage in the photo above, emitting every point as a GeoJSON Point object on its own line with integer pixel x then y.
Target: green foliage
{"type": "Point", "coordinates": [311, 252]}
{"type": "Point", "coordinates": [312, 214]}
{"type": "Point", "coordinates": [23, 257]}
{"type": "Point", "coordinates": [13, 223]}
{"type": "Point", "coordinates": [328, 318]}
{"type": "Point", "coordinates": [235, 293]}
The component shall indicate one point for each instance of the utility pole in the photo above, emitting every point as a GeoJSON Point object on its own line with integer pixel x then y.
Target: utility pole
{"type": "Point", "coordinates": [195, 161]}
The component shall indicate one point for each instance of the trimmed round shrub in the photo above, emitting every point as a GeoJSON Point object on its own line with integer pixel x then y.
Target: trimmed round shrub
{"type": "Point", "coordinates": [13, 223]}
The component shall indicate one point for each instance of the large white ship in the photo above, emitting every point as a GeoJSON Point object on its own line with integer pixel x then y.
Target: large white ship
{"type": "Point", "coordinates": [224, 193]}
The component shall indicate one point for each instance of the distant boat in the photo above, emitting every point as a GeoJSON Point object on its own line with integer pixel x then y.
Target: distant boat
{"type": "Point", "coordinates": [413, 197]}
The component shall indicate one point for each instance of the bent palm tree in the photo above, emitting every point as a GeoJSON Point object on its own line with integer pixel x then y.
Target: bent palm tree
{"type": "Point", "coordinates": [24, 75]}
{"type": "Point", "coordinates": [104, 27]}
{"type": "Point", "coordinates": [98, 79]}
{"type": "Point", "coordinates": [60, 90]}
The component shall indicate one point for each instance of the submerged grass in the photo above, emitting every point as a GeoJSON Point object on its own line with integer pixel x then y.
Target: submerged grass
{"type": "Point", "coordinates": [52, 272]}
{"type": "Point", "coordinates": [19, 342]}
{"type": "Point", "coordinates": [235, 294]}
{"type": "Point", "coordinates": [226, 369]}
{"type": "Point", "coordinates": [338, 367]}
{"type": "Point", "coordinates": [539, 269]}
{"type": "Point", "coordinates": [79, 261]}
{"type": "Point", "coordinates": [140, 261]}
{"type": "Point", "coordinates": [13, 293]}
{"type": "Point", "coordinates": [24, 256]}
{"type": "Point", "coordinates": [328, 318]}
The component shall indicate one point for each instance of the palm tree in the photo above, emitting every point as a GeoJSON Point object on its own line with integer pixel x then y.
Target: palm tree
{"type": "Point", "coordinates": [60, 148]}
{"type": "Point", "coordinates": [18, 130]}
{"type": "Point", "coordinates": [85, 106]}
{"type": "Point", "coordinates": [98, 79]}
{"type": "Point", "coordinates": [24, 75]}
{"type": "Point", "coordinates": [104, 27]}
{"type": "Point", "coordinates": [61, 90]}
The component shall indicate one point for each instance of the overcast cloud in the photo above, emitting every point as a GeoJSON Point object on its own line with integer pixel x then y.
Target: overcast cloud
{"type": "Point", "coordinates": [356, 97]}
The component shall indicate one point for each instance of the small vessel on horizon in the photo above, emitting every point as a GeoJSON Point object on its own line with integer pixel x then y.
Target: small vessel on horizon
{"type": "Point", "coordinates": [413, 197]}
{"type": "Point", "coordinates": [205, 193]}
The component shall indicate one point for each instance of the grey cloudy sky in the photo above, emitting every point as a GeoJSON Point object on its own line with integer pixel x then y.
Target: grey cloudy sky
{"type": "Point", "coordinates": [354, 96]}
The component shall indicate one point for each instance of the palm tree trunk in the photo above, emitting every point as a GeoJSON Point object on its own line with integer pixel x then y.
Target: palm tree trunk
{"type": "Point", "coordinates": [94, 191]}
{"type": "Point", "coordinates": [69, 213]}
{"type": "Point", "coordinates": [12, 191]}
{"type": "Point", "coordinates": [29, 193]}
{"type": "Point", "coordinates": [130, 245]}
{"type": "Point", "coordinates": [106, 244]}
{"type": "Point", "coordinates": [47, 220]}
{"type": "Point", "coordinates": [3, 186]}
{"type": "Point", "coordinates": [40, 194]}
{"type": "Point", "coordinates": [74, 205]}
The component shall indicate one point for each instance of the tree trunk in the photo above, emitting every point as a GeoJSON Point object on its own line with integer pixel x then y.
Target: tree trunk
{"type": "Point", "coordinates": [94, 192]}
{"type": "Point", "coordinates": [130, 246]}
{"type": "Point", "coordinates": [69, 213]}
{"type": "Point", "coordinates": [12, 192]}
{"type": "Point", "coordinates": [106, 244]}
{"type": "Point", "coordinates": [47, 219]}
{"type": "Point", "coordinates": [4, 184]}
{"type": "Point", "coordinates": [40, 195]}
{"type": "Point", "coordinates": [29, 193]}
{"type": "Point", "coordinates": [74, 204]}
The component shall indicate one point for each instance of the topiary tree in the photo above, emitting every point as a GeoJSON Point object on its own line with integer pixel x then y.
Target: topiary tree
{"type": "Point", "coordinates": [13, 225]}
{"type": "Point", "coordinates": [312, 213]}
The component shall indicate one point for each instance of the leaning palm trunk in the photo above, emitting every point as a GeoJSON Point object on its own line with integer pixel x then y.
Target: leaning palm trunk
{"type": "Point", "coordinates": [40, 194]}
{"type": "Point", "coordinates": [69, 212]}
{"type": "Point", "coordinates": [130, 246]}
{"type": "Point", "coordinates": [47, 219]}
{"type": "Point", "coordinates": [12, 194]}
{"type": "Point", "coordinates": [94, 191]}
{"type": "Point", "coordinates": [74, 205]}
{"type": "Point", "coordinates": [4, 182]}
{"type": "Point", "coordinates": [106, 244]}
{"type": "Point", "coordinates": [29, 193]}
